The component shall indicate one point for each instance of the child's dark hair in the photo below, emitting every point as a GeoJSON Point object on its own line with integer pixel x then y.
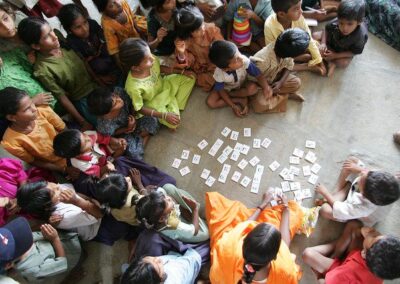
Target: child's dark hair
{"type": "Point", "coordinates": [381, 188]}
{"type": "Point", "coordinates": [132, 51]}
{"type": "Point", "coordinates": [291, 43]}
{"type": "Point", "coordinates": [68, 14]}
{"type": "Point", "coordinates": [283, 5]}
{"type": "Point", "coordinates": [8, 9]}
{"type": "Point", "coordinates": [100, 5]}
{"type": "Point", "coordinates": [150, 208]}
{"type": "Point", "coordinates": [35, 199]}
{"type": "Point", "coordinates": [140, 272]}
{"type": "Point", "coordinates": [100, 101]}
{"type": "Point", "coordinates": [10, 98]}
{"type": "Point", "coordinates": [383, 258]}
{"type": "Point", "coordinates": [67, 144]}
{"type": "Point", "coordinates": [260, 247]}
{"type": "Point", "coordinates": [30, 29]}
{"type": "Point", "coordinates": [221, 53]}
{"type": "Point", "coordinates": [351, 10]}
{"type": "Point", "coordinates": [187, 20]}
{"type": "Point", "coordinates": [152, 3]}
{"type": "Point", "coordinates": [112, 190]}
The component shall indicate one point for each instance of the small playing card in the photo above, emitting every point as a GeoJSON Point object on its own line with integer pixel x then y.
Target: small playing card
{"type": "Point", "coordinates": [224, 173]}
{"type": "Point", "coordinates": [214, 149]}
{"type": "Point", "coordinates": [298, 153]}
{"type": "Point", "coordinates": [295, 186]}
{"type": "Point", "coordinates": [298, 195]}
{"type": "Point", "coordinates": [203, 143]}
{"type": "Point", "coordinates": [210, 181]}
{"type": "Point", "coordinates": [306, 193]}
{"type": "Point", "coordinates": [225, 132]}
{"type": "Point", "coordinates": [285, 186]}
{"type": "Point", "coordinates": [196, 159]}
{"type": "Point", "coordinates": [243, 163]}
{"type": "Point", "coordinates": [238, 147]}
{"type": "Point", "coordinates": [184, 171]}
{"type": "Point", "coordinates": [310, 144]}
{"type": "Point", "coordinates": [245, 149]}
{"type": "Point", "coordinates": [284, 172]}
{"type": "Point", "coordinates": [274, 166]}
{"type": "Point", "coordinates": [236, 176]}
{"type": "Point", "coordinates": [228, 149]}
{"type": "Point", "coordinates": [235, 155]}
{"type": "Point", "coordinates": [222, 158]}
{"type": "Point", "coordinates": [255, 186]}
{"type": "Point", "coordinates": [294, 160]}
{"type": "Point", "coordinates": [265, 143]}
{"type": "Point", "coordinates": [176, 163]}
{"type": "Point", "coordinates": [247, 132]}
{"type": "Point", "coordinates": [245, 181]}
{"type": "Point", "coordinates": [185, 154]}
{"type": "Point", "coordinates": [313, 179]}
{"type": "Point", "coordinates": [315, 168]}
{"type": "Point", "coordinates": [234, 135]}
{"type": "Point", "coordinates": [289, 177]}
{"type": "Point", "coordinates": [310, 157]}
{"type": "Point", "coordinates": [256, 143]}
{"type": "Point", "coordinates": [294, 170]}
{"type": "Point", "coordinates": [306, 171]}
{"type": "Point", "coordinates": [205, 174]}
{"type": "Point", "coordinates": [254, 161]}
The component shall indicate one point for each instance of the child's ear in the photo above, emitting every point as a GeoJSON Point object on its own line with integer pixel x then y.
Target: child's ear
{"type": "Point", "coordinates": [281, 14]}
{"type": "Point", "coordinates": [11, 117]}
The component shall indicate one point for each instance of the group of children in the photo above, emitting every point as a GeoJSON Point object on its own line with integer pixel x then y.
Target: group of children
{"type": "Point", "coordinates": [113, 85]}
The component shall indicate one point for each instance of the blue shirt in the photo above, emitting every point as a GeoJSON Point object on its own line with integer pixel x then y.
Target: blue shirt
{"type": "Point", "coordinates": [181, 269]}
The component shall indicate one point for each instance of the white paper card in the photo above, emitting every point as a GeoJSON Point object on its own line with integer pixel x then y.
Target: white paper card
{"type": "Point", "coordinates": [224, 173]}
{"type": "Point", "coordinates": [265, 143]}
{"type": "Point", "coordinates": [238, 147]}
{"type": "Point", "coordinates": [247, 132]}
{"type": "Point", "coordinates": [274, 166]}
{"type": "Point", "coordinates": [228, 149]}
{"type": "Point", "coordinates": [294, 160]}
{"type": "Point", "coordinates": [255, 186]}
{"type": "Point", "coordinates": [306, 193]}
{"type": "Point", "coordinates": [285, 186]}
{"type": "Point", "coordinates": [185, 154]}
{"type": "Point", "coordinates": [203, 143]}
{"type": "Point", "coordinates": [235, 155]}
{"type": "Point", "coordinates": [225, 132]}
{"type": "Point", "coordinates": [196, 159]}
{"type": "Point", "coordinates": [205, 174]}
{"type": "Point", "coordinates": [184, 171]}
{"type": "Point", "coordinates": [315, 168]}
{"type": "Point", "coordinates": [236, 176]}
{"type": "Point", "coordinates": [310, 144]}
{"type": "Point", "coordinates": [313, 179]}
{"type": "Point", "coordinates": [222, 158]}
{"type": "Point", "coordinates": [306, 171]}
{"type": "Point", "coordinates": [234, 135]}
{"type": "Point", "coordinates": [256, 143]}
{"type": "Point", "coordinates": [245, 181]}
{"type": "Point", "coordinates": [242, 164]}
{"type": "Point", "coordinates": [289, 177]}
{"type": "Point", "coordinates": [294, 170]}
{"type": "Point", "coordinates": [298, 153]}
{"type": "Point", "coordinates": [176, 163]}
{"type": "Point", "coordinates": [254, 161]}
{"type": "Point", "coordinates": [210, 181]}
{"type": "Point", "coordinates": [214, 149]}
{"type": "Point", "coordinates": [310, 157]}
{"type": "Point", "coordinates": [284, 172]}
{"type": "Point", "coordinates": [295, 186]}
{"type": "Point", "coordinates": [245, 149]}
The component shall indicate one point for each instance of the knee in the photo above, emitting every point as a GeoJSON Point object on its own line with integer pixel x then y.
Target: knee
{"type": "Point", "coordinates": [297, 82]}
{"type": "Point", "coordinates": [307, 255]}
{"type": "Point", "coordinates": [326, 211]}
{"type": "Point", "coordinates": [343, 63]}
{"type": "Point", "coordinates": [252, 88]}
{"type": "Point", "coordinates": [211, 101]}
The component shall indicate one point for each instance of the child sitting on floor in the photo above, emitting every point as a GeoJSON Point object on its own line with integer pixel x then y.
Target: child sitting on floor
{"type": "Point", "coordinates": [345, 36]}
{"type": "Point", "coordinates": [231, 87]}
{"type": "Point", "coordinates": [360, 255]}
{"type": "Point", "coordinates": [116, 117]}
{"type": "Point", "coordinates": [86, 38]}
{"type": "Point", "coordinates": [88, 151]}
{"type": "Point", "coordinates": [367, 199]}
{"type": "Point", "coordinates": [288, 14]}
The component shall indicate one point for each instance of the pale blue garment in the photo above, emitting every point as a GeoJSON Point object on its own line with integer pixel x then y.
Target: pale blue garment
{"type": "Point", "coordinates": [181, 269]}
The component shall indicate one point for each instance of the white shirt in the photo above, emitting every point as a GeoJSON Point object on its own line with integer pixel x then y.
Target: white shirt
{"type": "Point", "coordinates": [229, 79]}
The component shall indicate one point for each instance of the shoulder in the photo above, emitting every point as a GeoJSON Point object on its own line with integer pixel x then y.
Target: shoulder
{"type": "Point", "coordinates": [271, 20]}
{"type": "Point", "coordinates": [219, 75]}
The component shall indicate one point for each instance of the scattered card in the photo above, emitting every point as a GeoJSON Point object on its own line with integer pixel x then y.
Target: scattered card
{"type": "Point", "coordinates": [295, 186]}
{"type": "Point", "coordinates": [306, 171]}
{"type": "Point", "coordinates": [224, 173]}
{"type": "Point", "coordinates": [185, 154]}
{"type": "Point", "coordinates": [254, 161]}
{"type": "Point", "coordinates": [310, 144]}
{"type": "Point", "coordinates": [235, 155]}
{"type": "Point", "coordinates": [298, 153]}
{"type": "Point", "coordinates": [294, 160]}
{"type": "Point", "coordinates": [205, 174]}
{"type": "Point", "coordinates": [313, 179]}
{"type": "Point", "coordinates": [238, 147]}
{"type": "Point", "coordinates": [255, 186]}
{"type": "Point", "coordinates": [222, 158]}
{"type": "Point", "coordinates": [298, 195]}
{"type": "Point", "coordinates": [306, 193]}
{"type": "Point", "coordinates": [214, 149]}
{"type": "Point", "coordinates": [285, 186]}
{"type": "Point", "coordinates": [310, 157]}
{"type": "Point", "coordinates": [294, 170]}
{"type": "Point", "coordinates": [247, 132]}
{"type": "Point", "coordinates": [236, 176]}
{"type": "Point", "coordinates": [228, 149]}
{"type": "Point", "coordinates": [256, 143]}
{"type": "Point", "coordinates": [210, 181]}
{"type": "Point", "coordinates": [225, 132]}
{"type": "Point", "coordinates": [274, 166]}
{"type": "Point", "coordinates": [289, 177]}
{"type": "Point", "coordinates": [203, 143]}
{"type": "Point", "coordinates": [284, 172]}
{"type": "Point", "coordinates": [184, 171]}
{"type": "Point", "coordinates": [265, 143]}
{"type": "Point", "coordinates": [234, 135]}
{"type": "Point", "coordinates": [315, 168]}
{"type": "Point", "coordinates": [243, 163]}
{"type": "Point", "coordinates": [245, 149]}
{"type": "Point", "coordinates": [176, 163]}
{"type": "Point", "coordinates": [196, 159]}
{"type": "Point", "coordinates": [245, 181]}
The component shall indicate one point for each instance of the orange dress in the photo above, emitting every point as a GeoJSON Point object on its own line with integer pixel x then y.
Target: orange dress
{"type": "Point", "coordinates": [228, 228]}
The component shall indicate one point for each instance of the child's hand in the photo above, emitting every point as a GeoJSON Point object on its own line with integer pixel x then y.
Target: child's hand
{"type": "Point", "coordinates": [322, 48]}
{"type": "Point", "coordinates": [172, 118]}
{"type": "Point", "coordinates": [267, 197]}
{"type": "Point", "coordinates": [68, 196]}
{"type": "Point", "coordinates": [55, 219]}
{"type": "Point", "coordinates": [329, 55]}
{"type": "Point", "coordinates": [351, 166]}
{"type": "Point", "coordinates": [238, 111]}
{"type": "Point", "coordinates": [180, 46]}
{"type": "Point", "coordinates": [191, 203]}
{"type": "Point", "coordinates": [42, 99]}
{"type": "Point", "coordinates": [321, 189]}
{"type": "Point", "coordinates": [283, 200]}
{"type": "Point", "coordinates": [131, 124]}
{"type": "Point", "coordinates": [161, 33]}
{"type": "Point", "coordinates": [246, 13]}
{"type": "Point", "coordinates": [206, 9]}
{"type": "Point", "coordinates": [48, 232]}
{"type": "Point", "coordinates": [86, 126]}
{"type": "Point", "coordinates": [72, 173]}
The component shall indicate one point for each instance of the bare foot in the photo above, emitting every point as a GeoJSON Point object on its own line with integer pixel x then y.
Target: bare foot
{"type": "Point", "coordinates": [331, 68]}
{"type": "Point", "coordinates": [243, 103]}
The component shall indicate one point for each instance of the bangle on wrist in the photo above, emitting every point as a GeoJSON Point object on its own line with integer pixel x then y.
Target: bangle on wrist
{"type": "Point", "coordinates": [261, 209]}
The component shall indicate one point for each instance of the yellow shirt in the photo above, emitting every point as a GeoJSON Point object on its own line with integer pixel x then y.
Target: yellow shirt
{"type": "Point", "coordinates": [272, 29]}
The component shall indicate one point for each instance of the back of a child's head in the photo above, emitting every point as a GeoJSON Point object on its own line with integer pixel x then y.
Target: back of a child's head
{"type": "Point", "coordinates": [68, 14]}
{"type": "Point", "coordinates": [140, 272]}
{"type": "Point", "coordinates": [150, 208]}
{"type": "Point", "coordinates": [381, 188]}
{"type": "Point", "coordinates": [112, 190]}
{"type": "Point", "coordinates": [221, 53]}
{"type": "Point", "coordinates": [283, 5]}
{"type": "Point", "coordinates": [383, 258]}
{"type": "Point", "coordinates": [100, 101]}
{"type": "Point", "coordinates": [101, 5]}
{"type": "Point", "coordinates": [351, 10]}
{"type": "Point", "coordinates": [34, 198]}
{"type": "Point", "coordinates": [132, 51]}
{"type": "Point", "coordinates": [291, 43]}
{"type": "Point", "coordinates": [10, 98]}
{"type": "Point", "coordinates": [30, 30]}
{"type": "Point", "coordinates": [67, 144]}
{"type": "Point", "coordinates": [187, 20]}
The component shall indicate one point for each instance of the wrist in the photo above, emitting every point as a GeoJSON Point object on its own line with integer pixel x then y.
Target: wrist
{"type": "Point", "coordinates": [261, 207]}
{"type": "Point", "coordinates": [56, 240]}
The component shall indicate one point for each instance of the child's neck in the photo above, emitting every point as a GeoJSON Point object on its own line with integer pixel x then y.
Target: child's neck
{"type": "Point", "coordinates": [23, 127]}
{"type": "Point", "coordinates": [285, 22]}
{"type": "Point", "coordinates": [140, 73]}
{"type": "Point", "coordinates": [57, 52]}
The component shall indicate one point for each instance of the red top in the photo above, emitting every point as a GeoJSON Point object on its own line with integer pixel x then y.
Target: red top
{"type": "Point", "coordinates": [352, 270]}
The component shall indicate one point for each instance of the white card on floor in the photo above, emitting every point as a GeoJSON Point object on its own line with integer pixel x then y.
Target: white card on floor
{"type": "Point", "coordinates": [236, 176]}
{"type": "Point", "coordinates": [224, 173]}
{"type": "Point", "coordinates": [298, 194]}
{"type": "Point", "coordinates": [284, 172]}
{"type": "Point", "coordinates": [306, 171]}
{"type": "Point", "coordinates": [265, 143]}
{"type": "Point", "coordinates": [298, 153]}
{"type": "Point", "coordinates": [295, 186]}
{"type": "Point", "coordinates": [205, 174]}
{"type": "Point", "coordinates": [274, 166]}
{"type": "Point", "coordinates": [245, 149]}
{"type": "Point", "coordinates": [225, 132]}
{"type": "Point", "coordinates": [294, 160]}
{"type": "Point", "coordinates": [222, 158]}
{"type": "Point", "coordinates": [313, 179]}
{"type": "Point", "coordinates": [214, 149]}
{"type": "Point", "coordinates": [203, 143]}
{"type": "Point", "coordinates": [289, 177]}
{"type": "Point", "coordinates": [315, 168]}
{"type": "Point", "coordinates": [245, 181]}
{"type": "Point", "coordinates": [238, 147]}
{"type": "Point", "coordinates": [184, 171]}
{"type": "Point", "coordinates": [255, 186]}
{"type": "Point", "coordinates": [196, 159]}
{"type": "Point", "coordinates": [256, 143]}
{"type": "Point", "coordinates": [285, 186]}
{"type": "Point", "coordinates": [210, 181]}
{"type": "Point", "coordinates": [254, 161]}
{"type": "Point", "coordinates": [243, 163]}
{"type": "Point", "coordinates": [234, 135]}
{"type": "Point", "coordinates": [247, 132]}
{"type": "Point", "coordinates": [306, 193]}
{"type": "Point", "coordinates": [294, 170]}
{"type": "Point", "coordinates": [310, 157]}
{"type": "Point", "coordinates": [310, 144]}
{"type": "Point", "coordinates": [235, 155]}
{"type": "Point", "coordinates": [185, 154]}
{"type": "Point", "coordinates": [228, 149]}
{"type": "Point", "coordinates": [176, 163]}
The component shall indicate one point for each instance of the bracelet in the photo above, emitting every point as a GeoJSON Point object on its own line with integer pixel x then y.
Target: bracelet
{"type": "Point", "coordinates": [152, 112]}
{"type": "Point", "coordinates": [261, 209]}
